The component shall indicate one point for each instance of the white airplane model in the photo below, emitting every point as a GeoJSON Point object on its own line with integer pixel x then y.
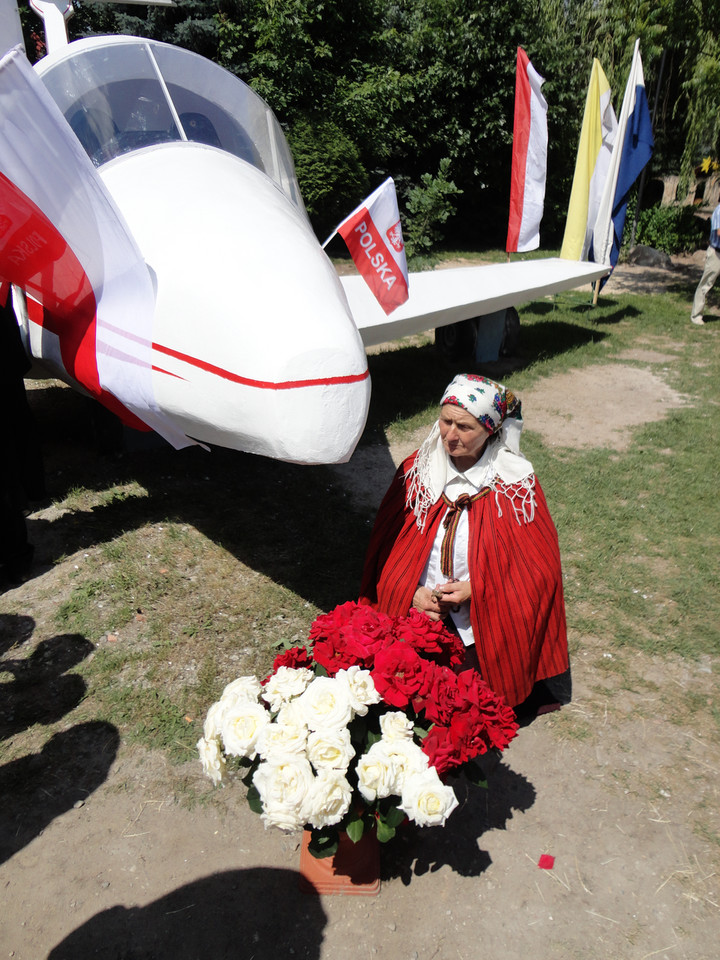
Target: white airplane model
{"type": "Point", "coordinates": [162, 261]}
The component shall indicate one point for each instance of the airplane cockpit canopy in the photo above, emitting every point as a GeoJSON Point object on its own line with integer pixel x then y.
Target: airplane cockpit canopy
{"type": "Point", "coordinates": [121, 94]}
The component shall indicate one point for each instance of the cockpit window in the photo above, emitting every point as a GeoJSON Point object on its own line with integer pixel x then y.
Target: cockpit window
{"type": "Point", "coordinates": [124, 94]}
{"type": "Point", "coordinates": [113, 99]}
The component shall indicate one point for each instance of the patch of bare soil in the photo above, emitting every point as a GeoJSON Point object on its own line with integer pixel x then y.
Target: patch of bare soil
{"type": "Point", "coordinates": [107, 851]}
{"type": "Point", "coordinates": [589, 408]}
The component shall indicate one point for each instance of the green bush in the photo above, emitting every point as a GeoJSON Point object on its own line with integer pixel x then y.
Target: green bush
{"type": "Point", "coordinates": [429, 204]}
{"type": "Point", "coordinates": [673, 228]}
{"type": "Point", "coordinates": [332, 178]}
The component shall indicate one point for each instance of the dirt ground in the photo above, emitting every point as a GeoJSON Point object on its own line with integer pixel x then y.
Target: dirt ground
{"type": "Point", "coordinates": [104, 859]}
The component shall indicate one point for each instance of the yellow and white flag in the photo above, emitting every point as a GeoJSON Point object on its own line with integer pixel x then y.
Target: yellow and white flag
{"type": "Point", "coordinates": [597, 136]}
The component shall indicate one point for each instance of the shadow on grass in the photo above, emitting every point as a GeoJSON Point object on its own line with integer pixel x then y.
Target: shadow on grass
{"type": "Point", "coordinates": [625, 312]}
{"type": "Point", "coordinates": [416, 851]}
{"type": "Point", "coordinates": [228, 914]}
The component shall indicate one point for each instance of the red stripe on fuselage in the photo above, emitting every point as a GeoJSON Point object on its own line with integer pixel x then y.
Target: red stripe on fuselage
{"type": "Point", "coordinates": [260, 384]}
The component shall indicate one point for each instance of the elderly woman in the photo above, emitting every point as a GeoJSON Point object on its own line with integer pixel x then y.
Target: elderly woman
{"type": "Point", "coordinates": [464, 533]}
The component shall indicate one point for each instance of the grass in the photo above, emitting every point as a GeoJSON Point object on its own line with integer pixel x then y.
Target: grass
{"type": "Point", "coordinates": [183, 569]}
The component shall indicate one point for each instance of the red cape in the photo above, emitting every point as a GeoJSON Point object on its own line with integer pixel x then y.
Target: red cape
{"type": "Point", "coordinates": [517, 609]}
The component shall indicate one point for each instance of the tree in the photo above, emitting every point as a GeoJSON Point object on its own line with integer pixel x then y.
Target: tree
{"type": "Point", "coordinates": [681, 58]}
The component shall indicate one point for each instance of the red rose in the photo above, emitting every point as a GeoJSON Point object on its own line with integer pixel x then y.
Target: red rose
{"type": "Point", "coordinates": [337, 653]}
{"type": "Point", "coordinates": [441, 696]}
{"type": "Point", "coordinates": [468, 734]}
{"type": "Point", "coordinates": [348, 635]}
{"type": "Point", "coordinates": [495, 715]}
{"type": "Point", "coordinates": [440, 749]}
{"type": "Point", "coordinates": [400, 675]}
{"type": "Point", "coordinates": [295, 657]}
{"type": "Point", "coordinates": [330, 624]}
{"type": "Point", "coordinates": [369, 631]}
{"type": "Point", "coordinates": [430, 637]}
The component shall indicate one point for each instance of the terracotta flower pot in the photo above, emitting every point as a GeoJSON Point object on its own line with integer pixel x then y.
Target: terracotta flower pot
{"type": "Point", "coordinates": [354, 868]}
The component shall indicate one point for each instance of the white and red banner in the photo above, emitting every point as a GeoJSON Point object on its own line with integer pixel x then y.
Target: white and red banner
{"type": "Point", "coordinates": [373, 235]}
{"type": "Point", "coordinates": [529, 159]}
{"type": "Point", "coordinates": [11, 34]}
{"type": "Point", "coordinates": [63, 241]}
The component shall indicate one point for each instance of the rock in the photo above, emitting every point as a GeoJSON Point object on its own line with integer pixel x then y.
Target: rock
{"type": "Point", "coordinates": [649, 257]}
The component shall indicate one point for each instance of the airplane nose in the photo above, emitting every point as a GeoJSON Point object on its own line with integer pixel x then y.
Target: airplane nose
{"type": "Point", "coordinates": [254, 346]}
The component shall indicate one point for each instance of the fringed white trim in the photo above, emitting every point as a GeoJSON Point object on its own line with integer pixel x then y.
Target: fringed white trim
{"type": "Point", "coordinates": [421, 492]}
{"type": "Point", "coordinates": [418, 499]}
{"type": "Point", "coordinates": [520, 494]}
{"type": "Point", "coordinates": [511, 472]}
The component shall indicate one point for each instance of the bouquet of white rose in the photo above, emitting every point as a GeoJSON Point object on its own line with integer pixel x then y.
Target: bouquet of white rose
{"type": "Point", "coordinates": [356, 732]}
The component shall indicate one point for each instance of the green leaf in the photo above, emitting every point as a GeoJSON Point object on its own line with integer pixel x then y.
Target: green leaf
{"type": "Point", "coordinates": [394, 817]}
{"type": "Point", "coordinates": [253, 799]}
{"type": "Point", "coordinates": [252, 767]}
{"type": "Point", "coordinates": [323, 845]}
{"type": "Point", "coordinates": [355, 829]}
{"type": "Point", "coordinates": [384, 831]}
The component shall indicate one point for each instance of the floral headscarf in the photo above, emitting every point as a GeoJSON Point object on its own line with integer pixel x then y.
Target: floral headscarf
{"type": "Point", "coordinates": [499, 411]}
{"type": "Point", "coordinates": [489, 402]}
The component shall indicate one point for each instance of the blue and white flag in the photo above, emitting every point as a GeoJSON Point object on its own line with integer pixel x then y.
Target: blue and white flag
{"type": "Point", "coordinates": [632, 150]}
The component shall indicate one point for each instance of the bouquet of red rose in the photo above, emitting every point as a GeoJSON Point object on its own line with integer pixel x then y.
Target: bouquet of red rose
{"type": "Point", "coordinates": [359, 729]}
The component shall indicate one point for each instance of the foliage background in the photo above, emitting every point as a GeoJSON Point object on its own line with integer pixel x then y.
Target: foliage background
{"type": "Point", "coordinates": [423, 90]}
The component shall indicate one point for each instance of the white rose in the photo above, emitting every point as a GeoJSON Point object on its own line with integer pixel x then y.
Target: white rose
{"type": "Point", "coordinates": [395, 725]}
{"type": "Point", "coordinates": [212, 759]}
{"type": "Point", "coordinates": [213, 720]}
{"type": "Point", "coordinates": [329, 799]}
{"type": "Point", "coordinates": [326, 703]}
{"type": "Point", "coordinates": [284, 788]}
{"type": "Point", "coordinates": [244, 688]}
{"type": "Point", "coordinates": [242, 722]}
{"type": "Point", "coordinates": [330, 749]}
{"type": "Point", "coordinates": [362, 688]}
{"type": "Point", "coordinates": [407, 759]}
{"type": "Point", "coordinates": [375, 773]}
{"type": "Point", "coordinates": [291, 714]}
{"type": "Point", "coordinates": [285, 684]}
{"type": "Point", "coordinates": [426, 800]}
{"type": "Point", "coordinates": [284, 737]}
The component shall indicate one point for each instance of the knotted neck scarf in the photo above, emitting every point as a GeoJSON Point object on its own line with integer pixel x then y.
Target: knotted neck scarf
{"type": "Point", "coordinates": [507, 471]}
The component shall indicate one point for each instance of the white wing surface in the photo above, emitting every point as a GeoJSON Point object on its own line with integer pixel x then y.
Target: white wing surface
{"type": "Point", "coordinates": [440, 297]}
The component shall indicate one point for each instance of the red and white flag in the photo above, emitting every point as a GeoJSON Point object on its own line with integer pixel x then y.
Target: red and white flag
{"type": "Point", "coordinates": [373, 235]}
{"type": "Point", "coordinates": [64, 241]}
{"type": "Point", "coordinates": [529, 159]}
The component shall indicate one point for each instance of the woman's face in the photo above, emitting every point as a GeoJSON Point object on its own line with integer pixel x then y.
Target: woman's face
{"type": "Point", "coordinates": [462, 435]}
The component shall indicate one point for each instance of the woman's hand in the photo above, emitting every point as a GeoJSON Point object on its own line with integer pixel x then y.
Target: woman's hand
{"type": "Point", "coordinates": [425, 602]}
{"type": "Point", "coordinates": [452, 594]}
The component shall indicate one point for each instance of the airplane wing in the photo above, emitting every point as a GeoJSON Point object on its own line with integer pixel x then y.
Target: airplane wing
{"type": "Point", "coordinates": [440, 297]}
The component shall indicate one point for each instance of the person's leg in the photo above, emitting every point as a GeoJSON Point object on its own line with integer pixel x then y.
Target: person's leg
{"type": "Point", "coordinates": [710, 275]}
{"type": "Point", "coordinates": [16, 553]}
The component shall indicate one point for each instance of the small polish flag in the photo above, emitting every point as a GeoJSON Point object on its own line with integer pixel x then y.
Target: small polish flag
{"type": "Point", "coordinates": [373, 235]}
